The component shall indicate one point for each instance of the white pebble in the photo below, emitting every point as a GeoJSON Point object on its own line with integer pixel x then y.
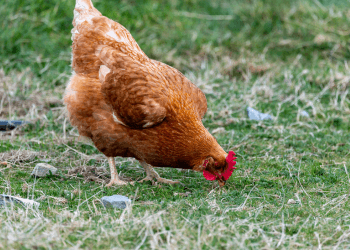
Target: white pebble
{"type": "Point", "coordinates": [118, 201]}
{"type": "Point", "coordinates": [256, 115]}
{"type": "Point", "coordinates": [304, 113]}
{"type": "Point", "coordinates": [8, 199]}
{"type": "Point", "coordinates": [291, 201]}
{"type": "Point", "coordinates": [43, 169]}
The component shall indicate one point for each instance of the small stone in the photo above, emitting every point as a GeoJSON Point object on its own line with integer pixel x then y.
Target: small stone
{"type": "Point", "coordinates": [43, 169]}
{"type": "Point", "coordinates": [118, 201]}
{"type": "Point", "coordinates": [291, 201]}
{"type": "Point", "coordinates": [304, 113]}
{"type": "Point", "coordinates": [256, 115]}
{"type": "Point", "coordinates": [8, 199]}
{"type": "Point", "coordinates": [68, 194]}
{"type": "Point", "coordinates": [322, 38]}
{"type": "Point", "coordinates": [339, 76]}
{"type": "Point", "coordinates": [6, 125]}
{"type": "Point", "coordinates": [182, 194]}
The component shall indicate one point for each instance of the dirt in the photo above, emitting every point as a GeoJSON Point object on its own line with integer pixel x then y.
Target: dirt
{"type": "Point", "coordinates": [90, 173]}
{"type": "Point", "coordinates": [15, 156]}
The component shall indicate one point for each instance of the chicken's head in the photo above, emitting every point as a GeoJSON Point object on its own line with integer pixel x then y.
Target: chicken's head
{"type": "Point", "coordinates": [221, 171]}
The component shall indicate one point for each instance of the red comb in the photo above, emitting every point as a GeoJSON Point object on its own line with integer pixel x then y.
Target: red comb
{"type": "Point", "coordinates": [230, 159]}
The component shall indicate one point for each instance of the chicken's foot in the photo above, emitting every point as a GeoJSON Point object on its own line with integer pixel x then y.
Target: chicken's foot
{"type": "Point", "coordinates": [114, 174]}
{"type": "Point", "coordinates": [152, 174]}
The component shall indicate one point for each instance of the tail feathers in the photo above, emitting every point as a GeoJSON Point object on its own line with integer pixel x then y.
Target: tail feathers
{"type": "Point", "coordinates": [84, 11]}
{"type": "Point", "coordinates": [83, 5]}
{"type": "Point", "coordinates": [92, 29]}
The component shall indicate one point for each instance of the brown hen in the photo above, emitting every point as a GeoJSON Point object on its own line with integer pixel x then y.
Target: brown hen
{"type": "Point", "coordinates": [133, 106]}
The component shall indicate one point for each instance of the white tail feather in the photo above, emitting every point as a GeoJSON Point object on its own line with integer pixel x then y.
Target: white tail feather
{"type": "Point", "coordinates": [84, 11]}
{"type": "Point", "coordinates": [83, 5]}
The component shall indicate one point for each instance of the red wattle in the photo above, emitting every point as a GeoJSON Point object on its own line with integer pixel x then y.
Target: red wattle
{"type": "Point", "coordinates": [209, 176]}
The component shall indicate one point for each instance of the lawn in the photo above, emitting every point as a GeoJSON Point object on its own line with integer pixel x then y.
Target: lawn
{"type": "Point", "coordinates": [291, 187]}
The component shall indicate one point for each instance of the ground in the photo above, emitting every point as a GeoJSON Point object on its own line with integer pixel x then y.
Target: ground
{"type": "Point", "coordinates": [291, 187]}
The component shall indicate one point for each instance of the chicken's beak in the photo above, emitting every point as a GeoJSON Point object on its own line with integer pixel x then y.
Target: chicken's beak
{"type": "Point", "coordinates": [221, 182]}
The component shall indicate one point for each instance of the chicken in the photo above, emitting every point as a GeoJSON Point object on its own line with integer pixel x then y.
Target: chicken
{"type": "Point", "coordinates": [132, 106]}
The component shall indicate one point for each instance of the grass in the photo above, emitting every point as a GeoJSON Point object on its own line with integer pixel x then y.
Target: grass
{"type": "Point", "coordinates": [291, 188]}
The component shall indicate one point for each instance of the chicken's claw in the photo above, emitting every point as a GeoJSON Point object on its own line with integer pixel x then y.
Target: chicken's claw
{"type": "Point", "coordinates": [114, 175]}
{"type": "Point", "coordinates": [163, 180]}
{"type": "Point", "coordinates": [159, 180]}
{"type": "Point", "coordinates": [147, 178]}
{"type": "Point", "coordinates": [151, 175]}
{"type": "Point", "coordinates": [116, 182]}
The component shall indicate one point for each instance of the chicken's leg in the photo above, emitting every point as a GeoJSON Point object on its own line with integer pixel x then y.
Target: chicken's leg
{"type": "Point", "coordinates": [114, 174]}
{"type": "Point", "coordinates": [151, 174]}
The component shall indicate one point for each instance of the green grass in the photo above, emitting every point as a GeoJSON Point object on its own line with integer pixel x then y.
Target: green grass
{"type": "Point", "coordinates": [280, 57]}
